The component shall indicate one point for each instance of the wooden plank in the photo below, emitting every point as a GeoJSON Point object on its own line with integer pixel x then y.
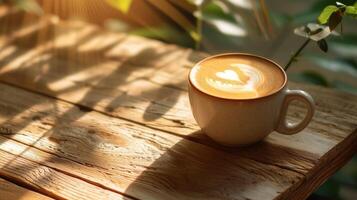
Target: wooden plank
{"type": "Point", "coordinates": [129, 158]}
{"type": "Point", "coordinates": [322, 172]}
{"type": "Point", "coordinates": [48, 181]}
{"type": "Point", "coordinates": [10, 190]}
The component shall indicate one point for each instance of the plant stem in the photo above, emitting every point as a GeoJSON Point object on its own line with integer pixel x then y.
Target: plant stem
{"type": "Point", "coordinates": [296, 54]}
{"type": "Point", "coordinates": [199, 27]}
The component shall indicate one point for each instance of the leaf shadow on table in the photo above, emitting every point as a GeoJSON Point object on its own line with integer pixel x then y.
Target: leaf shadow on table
{"type": "Point", "coordinates": [9, 20]}
{"type": "Point", "coordinates": [39, 73]}
{"type": "Point", "coordinates": [18, 117]}
{"type": "Point", "coordinates": [40, 69]}
{"type": "Point", "coordinates": [192, 170]}
{"type": "Point", "coordinates": [164, 102]}
{"type": "Point", "coordinates": [33, 72]}
{"type": "Point", "coordinates": [164, 99]}
{"type": "Point", "coordinates": [161, 97]}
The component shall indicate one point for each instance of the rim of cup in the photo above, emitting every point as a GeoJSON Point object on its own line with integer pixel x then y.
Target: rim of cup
{"type": "Point", "coordinates": [240, 54]}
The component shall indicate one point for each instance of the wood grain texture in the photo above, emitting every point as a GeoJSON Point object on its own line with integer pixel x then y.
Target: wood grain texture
{"type": "Point", "coordinates": [126, 157]}
{"type": "Point", "coordinates": [12, 191]}
{"type": "Point", "coordinates": [132, 130]}
{"type": "Point", "coordinates": [322, 172]}
{"type": "Point", "coordinates": [48, 181]}
{"type": "Point", "coordinates": [130, 158]}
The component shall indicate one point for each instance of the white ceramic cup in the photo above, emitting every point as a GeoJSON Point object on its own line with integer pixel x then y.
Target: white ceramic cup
{"type": "Point", "coordinates": [241, 122]}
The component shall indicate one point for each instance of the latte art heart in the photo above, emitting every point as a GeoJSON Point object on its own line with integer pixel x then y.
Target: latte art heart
{"type": "Point", "coordinates": [236, 78]}
{"type": "Point", "coordinates": [229, 75]}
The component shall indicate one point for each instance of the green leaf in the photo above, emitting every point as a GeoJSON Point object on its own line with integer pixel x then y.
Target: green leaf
{"type": "Point", "coordinates": [323, 45]}
{"type": "Point", "coordinates": [351, 10]}
{"type": "Point", "coordinates": [326, 13]}
{"type": "Point", "coordinates": [122, 5]}
{"type": "Point", "coordinates": [312, 12]}
{"type": "Point", "coordinates": [309, 77]}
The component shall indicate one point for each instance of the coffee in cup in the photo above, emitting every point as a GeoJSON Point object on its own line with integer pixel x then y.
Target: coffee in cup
{"type": "Point", "coordinates": [237, 77]}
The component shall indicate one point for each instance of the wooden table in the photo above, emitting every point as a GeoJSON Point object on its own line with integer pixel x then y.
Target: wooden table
{"type": "Point", "coordinates": [89, 114]}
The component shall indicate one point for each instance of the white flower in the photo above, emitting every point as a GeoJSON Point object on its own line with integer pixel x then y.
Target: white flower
{"type": "Point", "coordinates": [314, 31]}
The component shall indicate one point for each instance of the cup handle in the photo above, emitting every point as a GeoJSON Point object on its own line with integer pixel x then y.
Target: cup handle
{"type": "Point", "coordinates": [288, 128]}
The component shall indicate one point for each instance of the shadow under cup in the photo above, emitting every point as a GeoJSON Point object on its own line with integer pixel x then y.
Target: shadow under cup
{"type": "Point", "coordinates": [239, 122]}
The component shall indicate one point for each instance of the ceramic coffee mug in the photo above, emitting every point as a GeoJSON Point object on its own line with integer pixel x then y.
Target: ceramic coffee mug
{"type": "Point", "coordinates": [239, 122]}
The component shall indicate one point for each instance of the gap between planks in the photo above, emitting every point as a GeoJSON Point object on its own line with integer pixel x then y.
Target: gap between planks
{"type": "Point", "coordinates": [14, 190]}
{"type": "Point", "coordinates": [59, 170]}
{"type": "Point", "coordinates": [18, 180]}
{"type": "Point", "coordinates": [85, 108]}
{"type": "Point", "coordinates": [26, 186]}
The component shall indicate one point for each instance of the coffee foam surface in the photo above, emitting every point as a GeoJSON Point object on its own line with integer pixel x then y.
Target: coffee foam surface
{"type": "Point", "coordinates": [237, 77]}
